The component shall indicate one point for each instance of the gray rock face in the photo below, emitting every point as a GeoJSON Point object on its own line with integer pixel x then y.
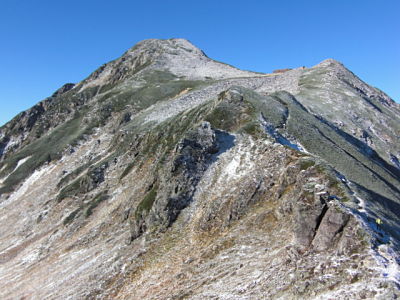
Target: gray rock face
{"type": "Point", "coordinates": [190, 161]}
{"type": "Point", "coordinates": [65, 88]}
{"type": "Point", "coordinates": [167, 175]}
{"type": "Point", "coordinates": [331, 225]}
{"type": "Point", "coordinates": [192, 155]}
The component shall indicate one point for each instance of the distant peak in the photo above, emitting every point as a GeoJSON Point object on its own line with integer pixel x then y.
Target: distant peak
{"type": "Point", "coordinates": [336, 69]}
{"type": "Point", "coordinates": [330, 62]}
{"type": "Point", "coordinates": [333, 66]}
{"type": "Point", "coordinates": [167, 45]}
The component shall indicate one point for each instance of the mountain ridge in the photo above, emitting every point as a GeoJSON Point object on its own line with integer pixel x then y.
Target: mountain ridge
{"type": "Point", "coordinates": [167, 174]}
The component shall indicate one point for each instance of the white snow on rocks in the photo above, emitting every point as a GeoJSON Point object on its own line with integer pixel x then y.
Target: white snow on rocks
{"type": "Point", "coordinates": [27, 185]}
{"type": "Point", "coordinates": [20, 162]}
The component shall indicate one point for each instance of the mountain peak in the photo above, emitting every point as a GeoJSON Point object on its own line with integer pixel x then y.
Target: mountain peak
{"type": "Point", "coordinates": [330, 61]}
{"type": "Point", "coordinates": [177, 56]}
{"type": "Point", "coordinates": [171, 46]}
{"type": "Point", "coordinates": [335, 69]}
{"type": "Point", "coordinates": [332, 64]}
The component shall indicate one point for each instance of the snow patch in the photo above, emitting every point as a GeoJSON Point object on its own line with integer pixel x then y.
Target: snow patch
{"type": "Point", "coordinates": [388, 260]}
{"type": "Point", "coordinates": [279, 138]}
{"type": "Point", "coordinates": [20, 162]}
{"type": "Point", "coordinates": [361, 204]}
{"type": "Point", "coordinates": [240, 164]}
{"type": "Point", "coordinates": [230, 169]}
{"type": "Point", "coordinates": [27, 184]}
{"type": "Point", "coordinates": [395, 160]}
{"type": "Point", "coordinates": [31, 257]}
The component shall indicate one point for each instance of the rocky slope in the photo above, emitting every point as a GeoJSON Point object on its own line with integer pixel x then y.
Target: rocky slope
{"type": "Point", "coordinates": [167, 175]}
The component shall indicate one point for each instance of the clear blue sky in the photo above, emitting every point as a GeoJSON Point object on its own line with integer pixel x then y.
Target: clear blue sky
{"type": "Point", "coordinates": [46, 43]}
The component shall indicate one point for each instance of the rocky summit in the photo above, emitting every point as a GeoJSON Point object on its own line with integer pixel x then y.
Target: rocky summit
{"type": "Point", "coordinates": [168, 175]}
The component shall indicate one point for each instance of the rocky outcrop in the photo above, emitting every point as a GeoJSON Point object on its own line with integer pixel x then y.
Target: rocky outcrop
{"type": "Point", "coordinates": [329, 228]}
{"type": "Point", "coordinates": [31, 124]}
{"type": "Point", "coordinates": [65, 88]}
{"type": "Point", "coordinates": [176, 185]}
{"type": "Point", "coordinates": [3, 145]}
